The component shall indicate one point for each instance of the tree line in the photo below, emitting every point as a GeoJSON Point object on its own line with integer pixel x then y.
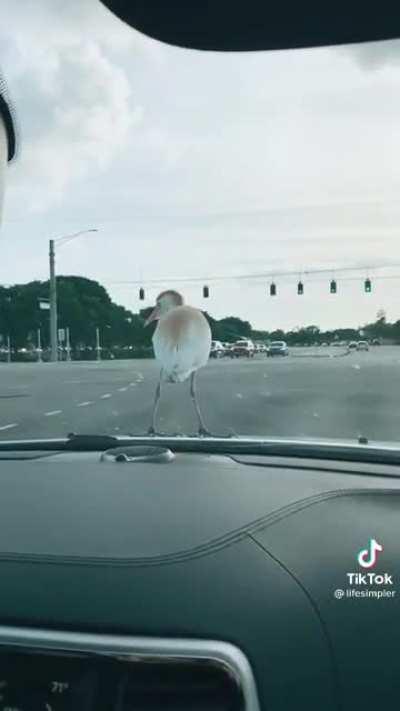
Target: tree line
{"type": "Point", "coordinates": [84, 305]}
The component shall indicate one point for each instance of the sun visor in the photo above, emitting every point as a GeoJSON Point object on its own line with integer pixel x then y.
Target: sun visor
{"type": "Point", "coordinates": [226, 25]}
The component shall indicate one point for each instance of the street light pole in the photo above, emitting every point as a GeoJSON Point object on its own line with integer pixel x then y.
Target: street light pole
{"type": "Point", "coordinates": [53, 304]}
{"type": "Point", "coordinates": [53, 289]}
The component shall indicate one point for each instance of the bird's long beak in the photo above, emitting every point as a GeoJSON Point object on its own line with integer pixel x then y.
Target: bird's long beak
{"type": "Point", "coordinates": [154, 316]}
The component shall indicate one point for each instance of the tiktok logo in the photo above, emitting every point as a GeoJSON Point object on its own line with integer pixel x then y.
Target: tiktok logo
{"type": "Point", "coordinates": [368, 556]}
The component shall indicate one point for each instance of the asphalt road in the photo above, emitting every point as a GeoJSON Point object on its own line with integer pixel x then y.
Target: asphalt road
{"type": "Point", "coordinates": [315, 393]}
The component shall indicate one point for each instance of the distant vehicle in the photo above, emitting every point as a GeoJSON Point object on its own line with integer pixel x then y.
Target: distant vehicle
{"type": "Point", "coordinates": [244, 347]}
{"type": "Point", "coordinates": [278, 348]}
{"type": "Point", "coordinates": [324, 345]}
{"type": "Point", "coordinates": [362, 346]}
{"type": "Point", "coordinates": [227, 348]}
{"type": "Point", "coordinates": [376, 342]}
{"type": "Point", "coordinates": [340, 344]}
{"type": "Point", "coordinates": [217, 349]}
{"type": "Point", "coordinates": [352, 346]}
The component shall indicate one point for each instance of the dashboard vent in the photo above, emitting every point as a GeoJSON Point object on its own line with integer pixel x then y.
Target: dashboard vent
{"type": "Point", "coordinates": [41, 679]}
{"type": "Point", "coordinates": [179, 686]}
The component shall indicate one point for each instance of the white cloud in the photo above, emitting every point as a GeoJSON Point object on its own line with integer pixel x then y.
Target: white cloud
{"type": "Point", "coordinates": [86, 112]}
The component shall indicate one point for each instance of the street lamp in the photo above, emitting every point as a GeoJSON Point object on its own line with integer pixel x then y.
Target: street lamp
{"type": "Point", "coordinates": [53, 288]}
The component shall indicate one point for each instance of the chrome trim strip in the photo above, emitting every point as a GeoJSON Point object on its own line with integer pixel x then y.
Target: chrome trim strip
{"type": "Point", "coordinates": [121, 647]}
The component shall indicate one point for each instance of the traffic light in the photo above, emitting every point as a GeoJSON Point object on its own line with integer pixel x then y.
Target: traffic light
{"type": "Point", "coordinates": [300, 288]}
{"type": "Point", "coordinates": [206, 292]}
{"type": "Point", "coordinates": [368, 286]}
{"type": "Point", "coordinates": [333, 287]}
{"type": "Point", "coordinates": [141, 294]}
{"type": "Point", "coordinates": [272, 290]}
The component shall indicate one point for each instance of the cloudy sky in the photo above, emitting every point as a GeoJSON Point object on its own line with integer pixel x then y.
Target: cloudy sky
{"type": "Point", "coordinates": [200, 165]}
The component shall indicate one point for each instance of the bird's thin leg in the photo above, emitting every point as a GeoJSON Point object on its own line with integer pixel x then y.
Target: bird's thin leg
{"type": "Point", "coordinates": [152, 428]}
{"type": "Point", "coordinates": [202, 428]}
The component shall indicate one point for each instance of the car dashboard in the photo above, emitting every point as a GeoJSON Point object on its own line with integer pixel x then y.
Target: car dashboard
{"type": "Point", "coordinates": [196, 581]}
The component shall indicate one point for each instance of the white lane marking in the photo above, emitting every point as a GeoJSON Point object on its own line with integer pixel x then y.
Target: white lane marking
{"type": "Point", "coordinates": [122, 390]}
{"type": "Point", "coordinates": [8, 427]}
{"type": "Point", "coordinates": [356, 367]}
{"type": "Point", "coordinates": [239, 395]}
{"type": "Point", "coordinates": [105, 396]}
{"type": "Point", "coordinates": [52, 412]}
{"type": "Point", "coordinates": [84, 404]}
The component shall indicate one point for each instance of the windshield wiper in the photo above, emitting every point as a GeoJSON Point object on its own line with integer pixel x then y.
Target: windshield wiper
{"type": "Point", "coordinates": [303, 449]}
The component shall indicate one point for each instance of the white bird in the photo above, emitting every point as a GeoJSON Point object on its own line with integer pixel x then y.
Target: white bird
{"type": "Point", "coordinates": [182, 343]}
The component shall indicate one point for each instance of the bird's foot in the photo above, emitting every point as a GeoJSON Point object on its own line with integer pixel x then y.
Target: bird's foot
{"type": "Point", "coordinates": [151, 432]}
{"type": "Point", "coordinates": [231, 433]}
{"type": "Point", "coordinates": [203, 432]}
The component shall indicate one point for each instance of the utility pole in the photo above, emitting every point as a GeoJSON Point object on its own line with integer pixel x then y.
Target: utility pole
{"type": "Point", "coordinates": [39, 346]}
{"type": "Point", "coordinates": [68, 346]}
{"type": "Point", "coordinates": [53, 304]}
{"type": "Point", "coordinates": [8, 350]}
{"type": "Point", "coordinates": [98, 347]}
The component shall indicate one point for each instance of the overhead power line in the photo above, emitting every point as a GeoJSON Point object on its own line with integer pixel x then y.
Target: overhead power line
{"type": "Point", "coordinates": [258, 275]}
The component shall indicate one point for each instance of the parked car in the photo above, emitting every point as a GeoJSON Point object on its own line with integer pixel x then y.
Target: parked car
{"type": "Point", "coordinates": [362, 346]}
{"type": "Point", "coordinates": [376, 342]}
{"type": "Point", "coordinates": [278, 348]}
{"type": "Point", "coordinates": [244, 347]}
{"type": "Point", "coordinates": [217, 349]}
{"type": "Point", "coordinates": [352, 346]}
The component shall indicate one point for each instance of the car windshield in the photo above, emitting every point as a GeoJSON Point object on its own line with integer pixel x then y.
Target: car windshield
{"type": "Point", "coordinates": [163, 197]}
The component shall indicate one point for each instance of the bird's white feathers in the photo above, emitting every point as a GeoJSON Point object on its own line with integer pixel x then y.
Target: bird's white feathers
{"type": "Point", "coordinates": [182, 342]}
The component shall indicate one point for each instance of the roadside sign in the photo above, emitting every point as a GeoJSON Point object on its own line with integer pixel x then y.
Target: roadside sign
{"type": "Point", "coordinates": [61, 334]}
{"type": "Point", "coordinates": [44, 304]}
